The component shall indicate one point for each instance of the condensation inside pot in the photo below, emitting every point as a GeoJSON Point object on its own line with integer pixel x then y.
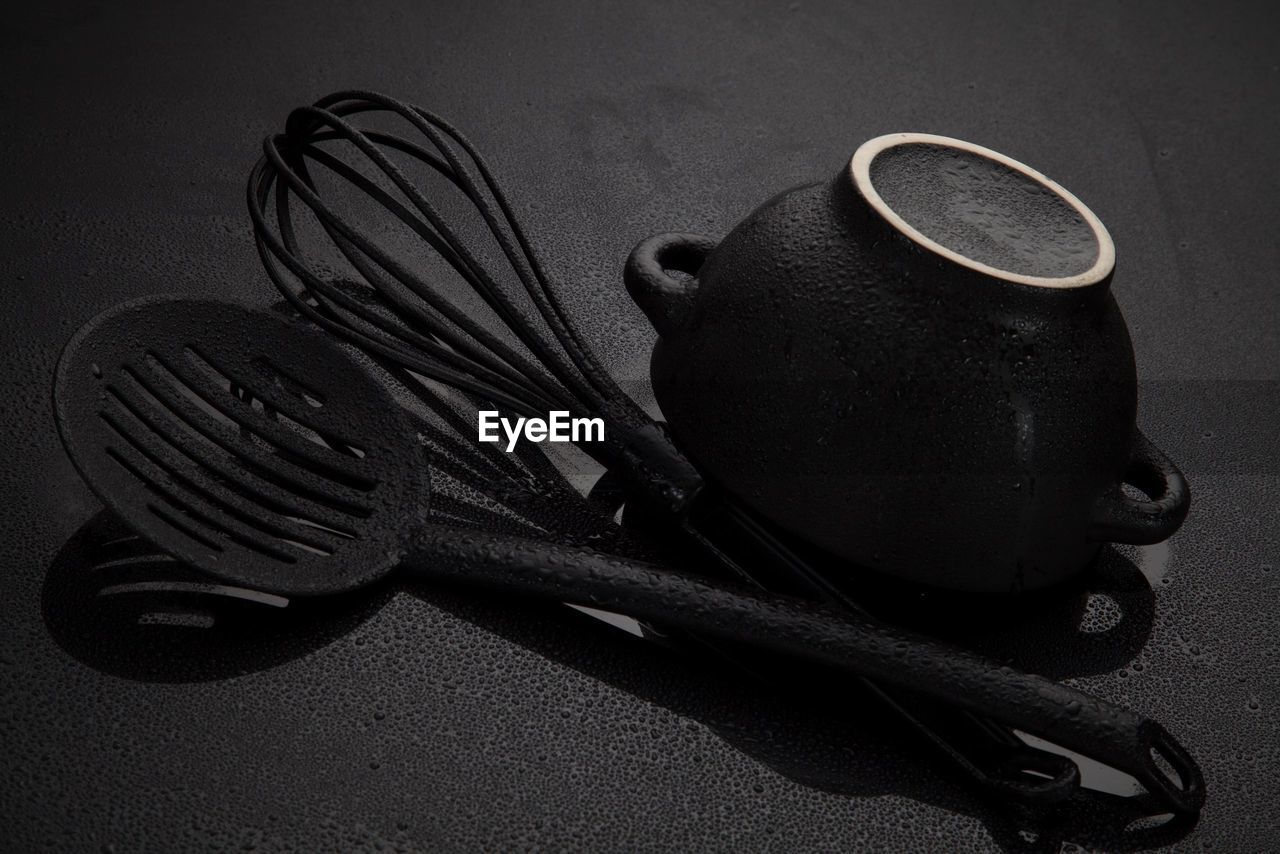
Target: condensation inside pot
{"type": "Point", "coordinates": [984, 210]}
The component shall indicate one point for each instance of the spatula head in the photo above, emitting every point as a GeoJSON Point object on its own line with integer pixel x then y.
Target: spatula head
{"type": "Point", "coordinates": [249, 446]}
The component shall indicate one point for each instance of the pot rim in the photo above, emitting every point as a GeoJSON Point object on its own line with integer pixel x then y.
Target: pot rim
{"type": "Point", "coordinates": [860, 171]}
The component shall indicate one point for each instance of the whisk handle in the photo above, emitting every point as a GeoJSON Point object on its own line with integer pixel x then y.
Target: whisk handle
{"type": "Point", "coordinates": [656, 471]}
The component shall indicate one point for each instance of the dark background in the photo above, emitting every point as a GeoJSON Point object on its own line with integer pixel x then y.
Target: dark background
{"type": "Point", "coordinates": [424, 719]}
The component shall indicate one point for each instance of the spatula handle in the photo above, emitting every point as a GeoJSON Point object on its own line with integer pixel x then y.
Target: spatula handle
{"type": "Point", "coordinates": [859, 645]}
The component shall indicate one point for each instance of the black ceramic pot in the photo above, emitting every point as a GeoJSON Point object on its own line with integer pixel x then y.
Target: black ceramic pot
{"type": "Point", "coordinates": [917, 366]}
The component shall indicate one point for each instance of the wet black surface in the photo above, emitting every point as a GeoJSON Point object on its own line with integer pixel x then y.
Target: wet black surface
{"type": "Point", "coordinates": [434, 719]}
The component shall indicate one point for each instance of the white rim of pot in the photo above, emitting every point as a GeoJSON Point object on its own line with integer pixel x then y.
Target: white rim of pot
{"type": "Point", "coordinates": [860, 167]}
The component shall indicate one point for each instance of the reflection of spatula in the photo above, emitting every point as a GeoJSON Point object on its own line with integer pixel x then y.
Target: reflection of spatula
{"type": "Point", "coordinates": [263, 454]}
{"type": "Point", "coordinates": [121, 605]}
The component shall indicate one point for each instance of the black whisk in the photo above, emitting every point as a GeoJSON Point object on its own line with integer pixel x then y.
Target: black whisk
{"type": "Point", "coordinates": [413, 324]}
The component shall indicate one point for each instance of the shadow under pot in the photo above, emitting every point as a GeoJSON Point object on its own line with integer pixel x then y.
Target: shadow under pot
{"type": "Point", "coordinates": [917, 366]}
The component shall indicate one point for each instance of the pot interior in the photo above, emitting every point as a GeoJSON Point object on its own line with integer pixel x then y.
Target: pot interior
{"type": "Point", "coordinates": [983, 210]}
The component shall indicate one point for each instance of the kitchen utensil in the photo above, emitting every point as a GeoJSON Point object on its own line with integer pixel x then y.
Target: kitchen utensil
{"type": "Point", "coordinates": [536, 364]}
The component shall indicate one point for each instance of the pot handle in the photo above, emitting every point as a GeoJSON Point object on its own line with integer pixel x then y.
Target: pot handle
{"type": "Point", "coordinates": [664, 300]}
{"type": "Point", "coordinates": [1117, 518]}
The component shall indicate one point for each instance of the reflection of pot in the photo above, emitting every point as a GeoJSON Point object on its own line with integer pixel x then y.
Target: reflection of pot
{"type": "Point", "coordinates": [918, 366]}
